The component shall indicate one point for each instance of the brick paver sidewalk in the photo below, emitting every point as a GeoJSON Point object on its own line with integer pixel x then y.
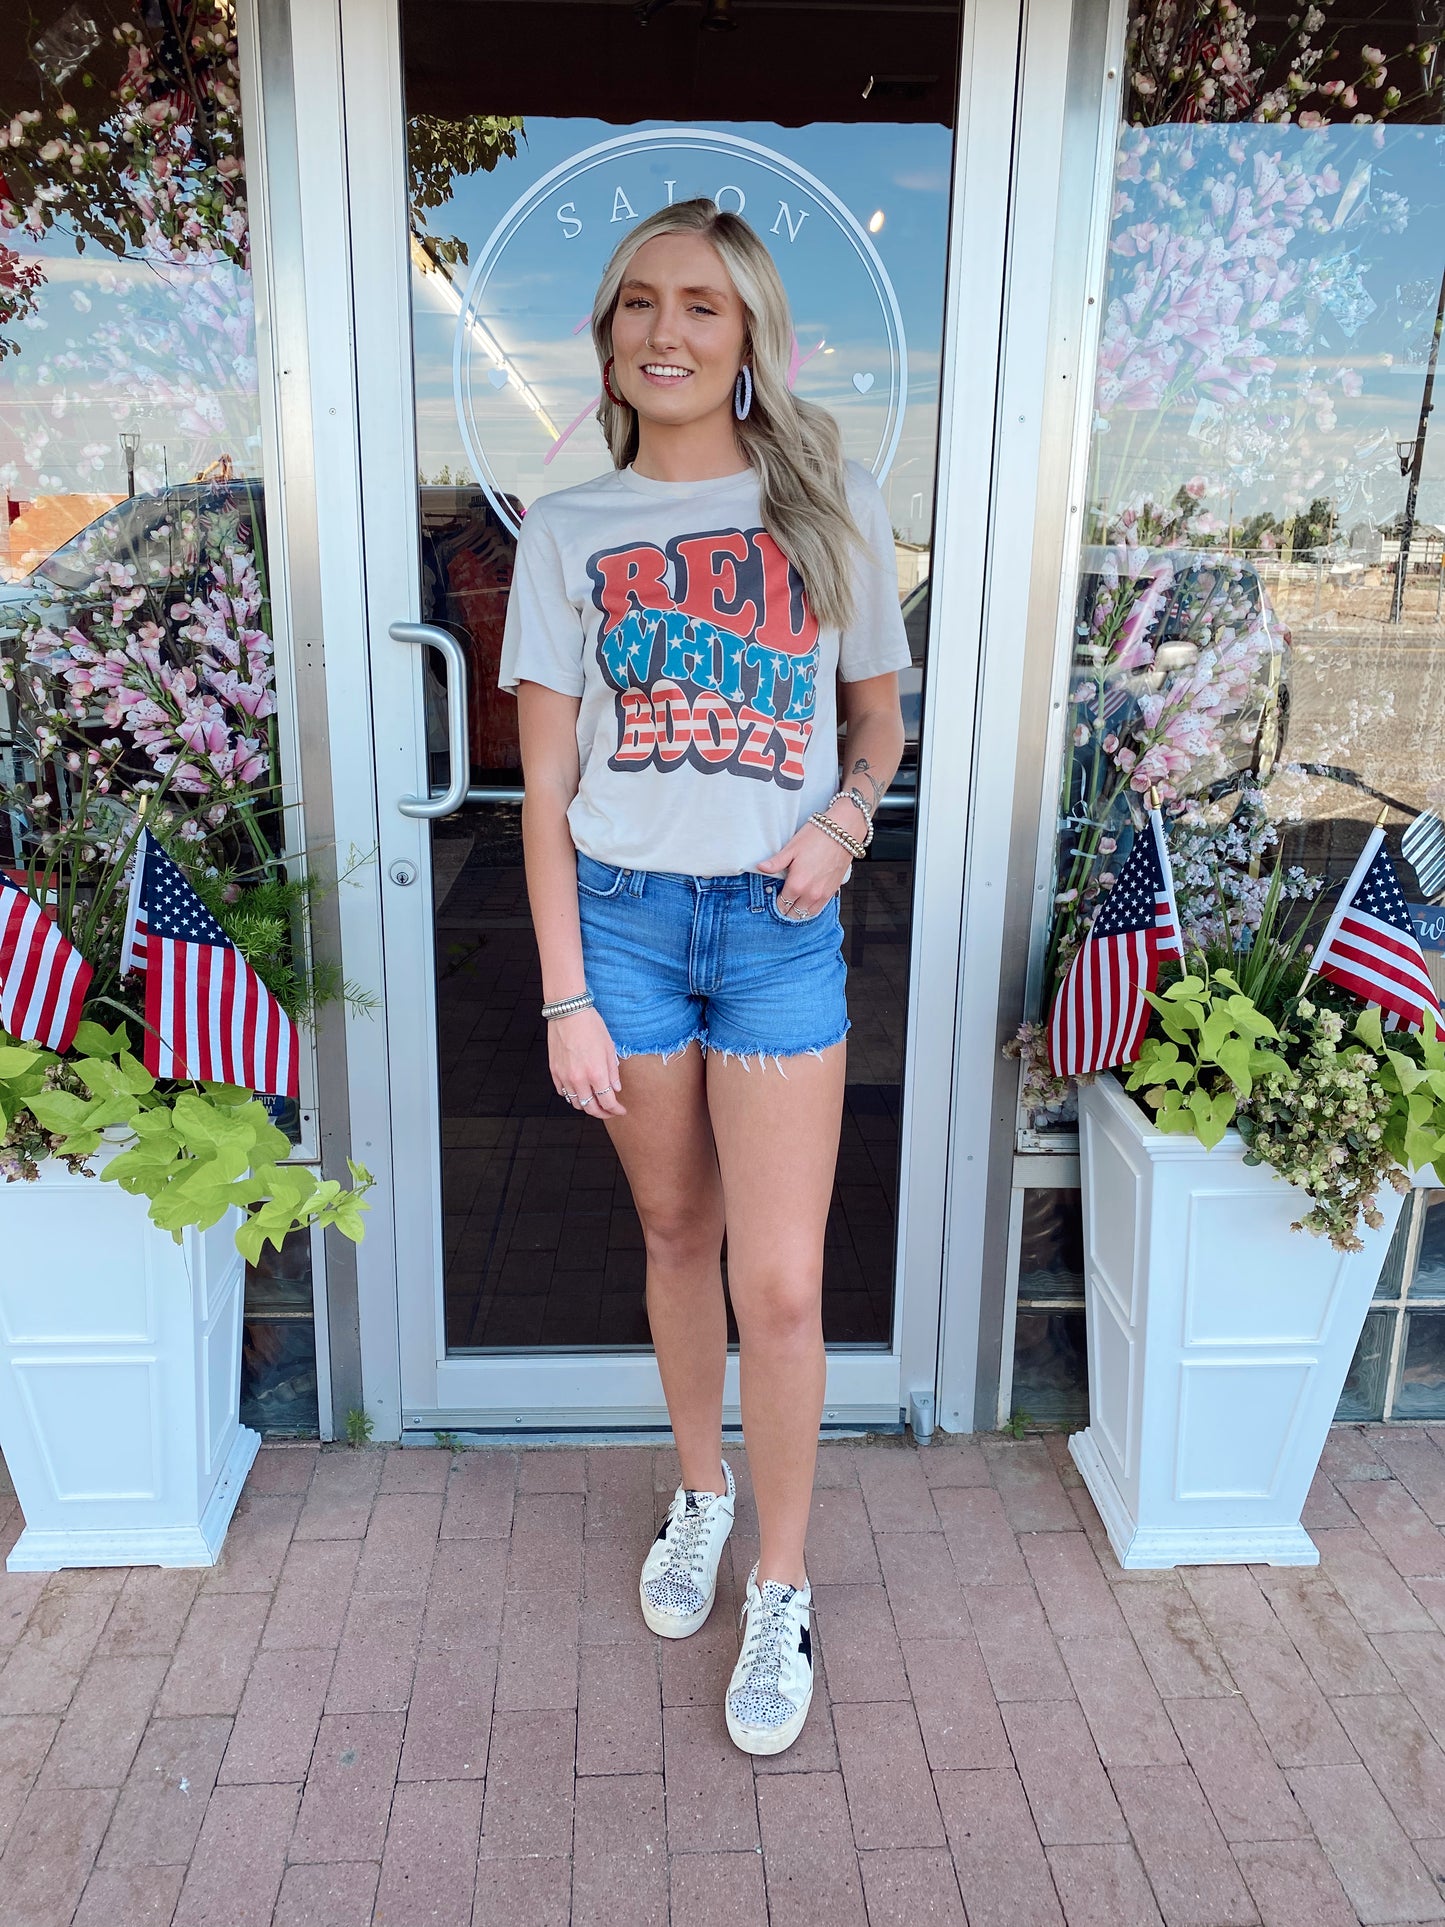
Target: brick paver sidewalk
{"type": "Point", "coordinates": [417, 1691]}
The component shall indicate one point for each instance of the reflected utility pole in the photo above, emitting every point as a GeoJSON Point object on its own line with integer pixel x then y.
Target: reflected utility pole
{"type": "Point", "coordinates": [1412, 460]}
{"type": "Point", "coordinates": [129, 447]}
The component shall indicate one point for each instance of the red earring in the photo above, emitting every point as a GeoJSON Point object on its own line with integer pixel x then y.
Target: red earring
{"type": "Point", "coordinates": [616, 400]}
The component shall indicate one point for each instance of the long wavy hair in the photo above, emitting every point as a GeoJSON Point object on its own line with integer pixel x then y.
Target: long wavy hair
{"type": "Point", "coordinates": [794, 446]}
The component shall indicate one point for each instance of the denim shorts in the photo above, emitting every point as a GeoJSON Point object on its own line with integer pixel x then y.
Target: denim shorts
{"type": "Point", "coordinates": [673, 960]}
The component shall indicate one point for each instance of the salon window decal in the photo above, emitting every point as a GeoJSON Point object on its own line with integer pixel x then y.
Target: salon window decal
{"type": "Point", "coordinates": [525, 382]}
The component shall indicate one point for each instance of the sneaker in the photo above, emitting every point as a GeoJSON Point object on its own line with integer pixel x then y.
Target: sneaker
{"type": "Point", "coordinates": [772, 1684]}
{"type": "Point", "coordinates": [679, 1575]}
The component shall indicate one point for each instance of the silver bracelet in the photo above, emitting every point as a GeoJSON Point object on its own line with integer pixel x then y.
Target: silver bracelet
{"type": "Point", "coordinates": [851, 844]}
{"type": "Point", "coordinates": [565, 1006]}
{"type": "Point", "coordinates": [852, 796]}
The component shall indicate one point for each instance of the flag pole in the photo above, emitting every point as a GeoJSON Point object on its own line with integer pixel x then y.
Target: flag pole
{"type": "Point", "coordinates": [130, 952]}
{"type": "Point", "coordinates": [1346, 896]}
{"type": "Point", "coordinates": [1166, 868]}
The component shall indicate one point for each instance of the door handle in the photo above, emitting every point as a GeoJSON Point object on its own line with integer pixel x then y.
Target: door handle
{"type": "Point", "coordinates": [426, 635]}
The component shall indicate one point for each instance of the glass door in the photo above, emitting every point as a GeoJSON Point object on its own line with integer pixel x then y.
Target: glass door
{"type": "Point", "coordinates": [521, 1286]}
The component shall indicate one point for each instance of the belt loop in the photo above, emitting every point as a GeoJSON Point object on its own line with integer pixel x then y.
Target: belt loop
{"type": "Point", "coordinates": [636, 881]}
{"type": "Point", "coordinates": [756, 884]}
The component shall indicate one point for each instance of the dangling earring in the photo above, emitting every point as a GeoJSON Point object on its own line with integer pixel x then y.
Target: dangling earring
{"type": "Point", "coordinates": [616, 400]}
{"type": "Point", "coordinates": [743, 393]}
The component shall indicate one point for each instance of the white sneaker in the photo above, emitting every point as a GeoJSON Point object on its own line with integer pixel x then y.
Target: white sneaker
{"type": "Point", "coordinates": [679, 1574]}
{"type": "Point", "coordinates": [772, 1684]}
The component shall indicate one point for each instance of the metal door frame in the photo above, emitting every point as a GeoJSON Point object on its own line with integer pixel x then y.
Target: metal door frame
{"type": "Point", "coordinates": [352, 413]}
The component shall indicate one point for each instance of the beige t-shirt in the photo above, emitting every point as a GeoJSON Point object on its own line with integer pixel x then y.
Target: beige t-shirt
{"type": "Point", "coordinates": [707, 731]}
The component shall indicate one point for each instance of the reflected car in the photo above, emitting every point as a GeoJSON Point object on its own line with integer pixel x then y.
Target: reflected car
{"type": "Point", "coordinates": [1253, 738]}
{"type": "Point", "coordinates": [151, 533]}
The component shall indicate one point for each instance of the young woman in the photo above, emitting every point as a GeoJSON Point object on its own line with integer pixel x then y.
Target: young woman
{"type": "Point", "coordinates": [678, 635]}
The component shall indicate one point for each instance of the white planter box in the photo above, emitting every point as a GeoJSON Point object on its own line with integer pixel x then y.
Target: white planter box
{"type": "Point", "coordinates": [120, 1377]}
{"type": "Point", "coordinates": [1219, 1341]}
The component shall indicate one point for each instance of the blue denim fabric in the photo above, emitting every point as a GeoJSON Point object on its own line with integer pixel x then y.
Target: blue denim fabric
{"type": "Point", "coordinates": [675, 959]}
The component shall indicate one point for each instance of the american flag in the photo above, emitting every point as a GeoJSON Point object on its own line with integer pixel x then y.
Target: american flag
{"type": "Point", "coordinates": [43, 977]}
{"type": "Point", "coordinates": [1099, 1010]}
{"type": "Point", "coordinates": [1370, 948]}
{"type": "Point", "coordinates": [208, 1015]}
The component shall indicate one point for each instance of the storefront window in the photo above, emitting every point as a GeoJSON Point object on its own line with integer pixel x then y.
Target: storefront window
{"type": "Point", "coordinates": [136, 658]}
{"type": "Point", "coordinates": [1258, 628]}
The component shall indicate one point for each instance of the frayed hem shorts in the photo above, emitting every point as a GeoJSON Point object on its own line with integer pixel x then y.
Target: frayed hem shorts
{"type": "Point", "coordinates": [673, 960]}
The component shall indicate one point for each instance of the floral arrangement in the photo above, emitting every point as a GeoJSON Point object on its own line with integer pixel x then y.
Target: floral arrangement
{"type": "Point", "coordinates": [1191, 60]}
{"type": "Point", "coordinates": [1322, 1121]}
{"type": "Point", "coordinates": [149, 692]}
{"type": "Point", "coordinates": [159, 689]}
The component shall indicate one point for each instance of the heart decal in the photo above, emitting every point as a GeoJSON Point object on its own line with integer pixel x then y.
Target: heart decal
{"type": "Point", "coordinates": [499, 377]}
{"type": "Point", "coordinates": [862, 383]}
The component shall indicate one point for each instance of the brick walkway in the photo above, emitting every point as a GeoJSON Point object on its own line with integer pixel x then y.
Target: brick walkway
{"type": "Point", "coordinates": [417, 1691]}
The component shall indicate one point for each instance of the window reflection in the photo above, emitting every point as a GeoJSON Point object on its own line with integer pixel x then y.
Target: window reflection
{"type": "Point", "coordinates": [1258, 625]}
{"type": "Point", "coordinates": [136, 654]}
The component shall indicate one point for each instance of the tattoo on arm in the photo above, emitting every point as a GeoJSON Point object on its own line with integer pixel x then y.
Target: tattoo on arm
{"type": "Point", "coordinates": [860, 768]}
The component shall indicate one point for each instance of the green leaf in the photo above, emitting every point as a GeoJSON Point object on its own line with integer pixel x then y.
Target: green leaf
{"type": "Point", "coordinates": [1269, 1063]}
{"type": "Point", "coordinates": [1249, 1018]}
{"type": "Point", "coordinates": [1405, 1068]}
{"type": "Point", "coordinates": [15, 1059]}
{"type": "Point", "coordinates": [134, 1074]}
{"type": "Point", "coordinates": [1173, 1114]}
{"type": "Point", "coordinates": [1180, 1021]}
{"type": "Point", "coordinates": [60, 1110]}
{"type": "Point", "coordinates": [94, 1040]}
{"type": "Point", "coordinates": [1216, 1029]}
{"type": "Point", "coordinates": [1367, 1026]}
{"type": "Point", "coordinates": [1187, 986]}
{"type": "Point", "coordinates": [1234, 1058]}
{"type": "Point", "coordinates": [1212, 1116]}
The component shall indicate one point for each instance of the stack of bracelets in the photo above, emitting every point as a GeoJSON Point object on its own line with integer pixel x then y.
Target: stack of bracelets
{"type": "Point", "coordinates": [856, 849]}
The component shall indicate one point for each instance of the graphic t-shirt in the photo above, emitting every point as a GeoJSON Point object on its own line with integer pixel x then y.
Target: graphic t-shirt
{"type": "Point", "coordinates": [708, 729]}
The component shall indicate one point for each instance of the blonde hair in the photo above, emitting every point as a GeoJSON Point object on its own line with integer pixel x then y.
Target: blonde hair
{"type": "Point", "coordinates": [794, 446]}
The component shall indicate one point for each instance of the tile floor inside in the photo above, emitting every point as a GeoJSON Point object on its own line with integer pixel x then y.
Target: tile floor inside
{"type": "Point", "coordinates": [417, 1692]}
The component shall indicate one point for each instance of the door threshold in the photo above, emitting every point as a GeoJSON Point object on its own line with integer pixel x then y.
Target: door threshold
{"type": "Point", "coordinates": [541, 1429]}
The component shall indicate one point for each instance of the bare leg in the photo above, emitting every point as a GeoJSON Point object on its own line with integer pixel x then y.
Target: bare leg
{"type": "Point", "coordinates": [777, 1146]}
{"type": "Point", "coordinates": [666, 1147]}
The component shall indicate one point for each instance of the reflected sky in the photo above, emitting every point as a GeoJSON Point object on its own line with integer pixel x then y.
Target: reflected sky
{"type": "Point", "coordinates": [1270, 300]}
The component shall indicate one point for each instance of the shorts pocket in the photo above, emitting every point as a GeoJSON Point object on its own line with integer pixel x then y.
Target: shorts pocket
{"type": "Point", "coordinates": [596, 879]}
{"type": "Point", "coordinates": [780, 916]}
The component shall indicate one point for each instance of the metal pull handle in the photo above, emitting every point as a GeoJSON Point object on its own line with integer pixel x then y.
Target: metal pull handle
{"type": "Point", "coordinates": [443, 802]}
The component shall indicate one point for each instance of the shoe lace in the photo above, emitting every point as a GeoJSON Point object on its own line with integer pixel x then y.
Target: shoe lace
{"type": "Point", "coordinates": [686, 1540]}
{"type": "Point", "coordinates": [767, 1621]}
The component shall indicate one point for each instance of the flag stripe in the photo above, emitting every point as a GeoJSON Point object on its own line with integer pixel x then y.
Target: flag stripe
{"type": "Point", "coordinates": [1372, 942]}
{"type": "Point", "coordinates": [1350, 956]}
{"type": "Point", "coordinates": [43, 977]}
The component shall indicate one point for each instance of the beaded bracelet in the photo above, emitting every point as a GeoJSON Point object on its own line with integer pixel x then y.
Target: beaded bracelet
{"type": "Point", "coordinates": [565, 1006]}
{"type": "Point", "coordinates": [852, 796]}
{"type": "Point", "coordinates": [851, 844]}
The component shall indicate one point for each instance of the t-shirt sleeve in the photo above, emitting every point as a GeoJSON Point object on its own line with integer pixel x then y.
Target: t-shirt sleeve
{"type": "Point", "coordinates": [543, 637]}
{"type": "Point", "coordinates": [875, 640]}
